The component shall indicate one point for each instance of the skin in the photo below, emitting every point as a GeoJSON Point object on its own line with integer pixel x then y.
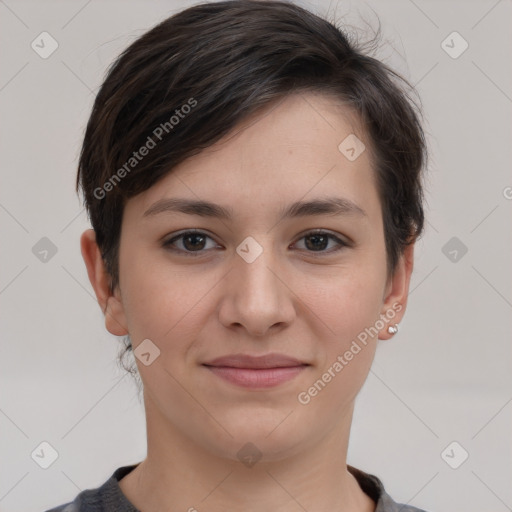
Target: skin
{"type": "Point", "coordinates": [292, 299]}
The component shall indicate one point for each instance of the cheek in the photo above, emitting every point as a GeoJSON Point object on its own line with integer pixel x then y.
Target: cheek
{"type": "Point", "coordinates": [348, 304]}
{"type": "Point", "coordinates": [347, 300]}
{"type": "Point", "coordinates": [348, 308]}
{"type": "Point", "coordinates": [162, 302]}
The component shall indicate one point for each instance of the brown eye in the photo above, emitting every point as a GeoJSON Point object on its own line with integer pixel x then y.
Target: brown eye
{"type": "Point", "coordinates": [189, 242]}
{"type": "Point", "coordinates": [194, 242]}
{"type": "Point", "coordinates": [318, 241]}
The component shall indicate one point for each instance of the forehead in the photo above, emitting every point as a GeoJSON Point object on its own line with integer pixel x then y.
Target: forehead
{"type": "Point", "coordinates": [294, 149]}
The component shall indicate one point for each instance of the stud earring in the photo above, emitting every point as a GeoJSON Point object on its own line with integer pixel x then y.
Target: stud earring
{"type": "Point", "coordinates": [393, 329]}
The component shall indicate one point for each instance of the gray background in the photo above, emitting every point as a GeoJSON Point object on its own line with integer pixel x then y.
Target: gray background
{"type": "Point", "coordinates": [446, 376]}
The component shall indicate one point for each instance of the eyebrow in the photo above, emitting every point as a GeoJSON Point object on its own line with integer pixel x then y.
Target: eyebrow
{"type": "Point", "coordinates": [324, 206]}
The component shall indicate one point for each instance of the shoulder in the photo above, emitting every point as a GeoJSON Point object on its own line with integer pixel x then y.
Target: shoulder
{"type": "Point", "coordinates": [68, 507]}
{"type": "Point", "coordinates": [107, 497]}
{"type": "Point", "coordinates": [374, 488]}
{"type": "Point", "coordinates": [90, 500]}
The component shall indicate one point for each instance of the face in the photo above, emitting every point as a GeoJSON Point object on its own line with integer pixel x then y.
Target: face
{"type": "Point", "coordinates": [293, 296]}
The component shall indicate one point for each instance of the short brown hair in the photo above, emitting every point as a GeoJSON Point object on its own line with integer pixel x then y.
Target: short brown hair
{"type": "Point", "coordinates": [223, 61]}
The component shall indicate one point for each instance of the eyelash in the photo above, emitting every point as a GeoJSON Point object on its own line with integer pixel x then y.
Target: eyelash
{"type": "Point", "coordinates": [168, 243]}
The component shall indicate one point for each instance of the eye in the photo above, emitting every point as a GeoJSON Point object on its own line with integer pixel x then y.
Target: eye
{"type": "Point", "coordinates": [318, 241]}
{"type": "Point", "coordinates": [189, 242]}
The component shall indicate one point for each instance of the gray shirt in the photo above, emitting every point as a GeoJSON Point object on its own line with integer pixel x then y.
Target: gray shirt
{"type": "Point", "coordinates": [110, 498]}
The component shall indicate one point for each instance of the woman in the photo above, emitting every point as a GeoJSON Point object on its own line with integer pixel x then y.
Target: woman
{"type": "Point", "coordinates": [254, 187]}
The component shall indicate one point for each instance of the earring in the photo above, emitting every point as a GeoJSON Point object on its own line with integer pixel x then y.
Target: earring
{"type": "Point", "coordinates": [393, 329]}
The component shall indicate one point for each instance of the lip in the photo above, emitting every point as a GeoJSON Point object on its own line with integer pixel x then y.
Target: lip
{"type": "Point", "coordinates": [264, 371]}
{"type": "Point", "coordinates": [271, 360]}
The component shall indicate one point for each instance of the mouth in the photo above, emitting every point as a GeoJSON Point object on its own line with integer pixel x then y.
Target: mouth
{"type": "Point", "coordinates": [264, 371]}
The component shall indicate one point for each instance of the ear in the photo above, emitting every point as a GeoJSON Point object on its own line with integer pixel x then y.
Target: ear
{"type": "Point", "coordinates": [110, 302]}
{"type": "Point", "coordinates": [397, 292]}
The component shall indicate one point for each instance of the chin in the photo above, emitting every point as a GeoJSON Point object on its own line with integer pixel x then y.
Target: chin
{"type": "Point", "coordinates": [266, 439]}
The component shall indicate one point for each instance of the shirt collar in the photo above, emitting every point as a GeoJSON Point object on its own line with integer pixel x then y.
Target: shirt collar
{"type": "Point", "coordinates": [369, 484]}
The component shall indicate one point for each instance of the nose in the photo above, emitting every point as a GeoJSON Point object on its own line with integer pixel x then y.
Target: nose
{"type": "Point", "coordinates": [255, 297]}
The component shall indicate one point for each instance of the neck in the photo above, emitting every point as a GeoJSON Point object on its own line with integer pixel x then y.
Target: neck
{"type": "Point", "coordinates": [180, 475]}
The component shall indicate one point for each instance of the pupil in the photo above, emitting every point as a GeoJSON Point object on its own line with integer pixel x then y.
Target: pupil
{"type": "Point", "coordinates": [314, 242]}
{"type": "Point", "coordinates": [323, 242]}
{"type": "Point", "coordinates": [194, 237]}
